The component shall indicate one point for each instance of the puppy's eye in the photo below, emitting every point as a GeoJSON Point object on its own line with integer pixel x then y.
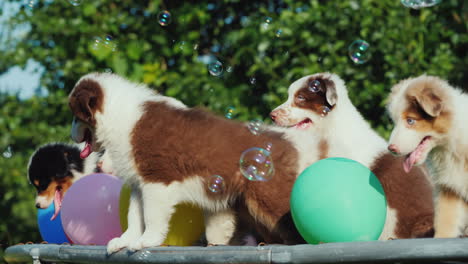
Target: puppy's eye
{"type": "Point", "coordinates": [410, 121]}
{"type": "Point", "coordinates": [300, 97]}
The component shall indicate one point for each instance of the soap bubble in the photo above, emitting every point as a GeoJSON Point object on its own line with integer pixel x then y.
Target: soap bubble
{"type": "Point", "coordinates": [267, 22]}
{"type": "Point", "coordinates": [75, 2]}
{"type": "Point", "coordinates": [255, 126]}
{"type": "Point", "coordinates": [215, 68]}
{"type": "Point", "coordinates": [253, 80]}
{"type": "Point", "coordinates": [230, 112]}
{"type": "Point", "coordinates": [417, 4]}
{"type": "Point", "coordinates": [278, 33]}
{"type": "Point", "coordinates": [107, 42]}
{"type": "Point", "coordinates": [229, 69]}
{"type": "Point", "coordinates": [8, 153]}
{"type": "Point", "coordinates": [256, 164]}
{"type": "Point", "coordinates": [359, 51]}
{"type": "Point", "coordinates": [164, 18]}
{"type": "Point", "coordinates": [216, 184]}
{"type": "Point", "coordinates": [325, 111]}
{"type": "Point", "coordinates": [31, 4]}
{"type": "Point", "coordinates": [314, 86]}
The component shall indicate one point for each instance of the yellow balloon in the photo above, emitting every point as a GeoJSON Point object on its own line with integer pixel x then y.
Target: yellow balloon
{"type": "Point", "coordinates": [186, 225]}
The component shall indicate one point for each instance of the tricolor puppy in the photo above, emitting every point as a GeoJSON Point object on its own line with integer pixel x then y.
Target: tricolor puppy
{"type": "Point", "coordinates": [431, 123]}
{"type": "Point", "coordinates": [319, 104]}
{"type": "Point", "coordinates": [53, 168]}
{"type": "Point", "coordinates": [169, 152]}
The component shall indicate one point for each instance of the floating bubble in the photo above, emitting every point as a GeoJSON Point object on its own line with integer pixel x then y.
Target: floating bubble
{"type": "Point", "coordinates": [325, 111]}
{"type": "Point", "coordinates": [417, 4]}
{"type": "Point", "coordinates": [268, 146]}
{"type": "Point", "coordinates": [164, 18]}
{"type": "Point", "coordinates": [195, 47]}
{"type": "Point", "coordinates": [359, 51]}
{"type": "Point", "coordinates": [215, 68]}
{"type": "Point", "coordinates": [267, 22]}
{"type": "Point", "coordinates": [314, 86]}
{"type": "Point", "coordinates": [278, 33]}
{"type": "Point", "coordinates": [229, 69]}
{"type": "Point", "coordinates": [104, 43]}
{"type": "Point", "coordinates": [253, 80]}
{"type": "Point", "coordinates": [8, 153]}
{"type": "Point", "coordinates": [255, 126]}
{"type": "Point", "coordinates": [31, 4]}
{"type": "Point", "coordinates": [181, 45]}
{"type": "Point", "coordinates": [256, 164]}
{"type": "Point", "coordinates": [75, 2]}
{"type": "Point", "coordinates": [230, 112]}
{"type": "Point", "coordinates": [216, 184]}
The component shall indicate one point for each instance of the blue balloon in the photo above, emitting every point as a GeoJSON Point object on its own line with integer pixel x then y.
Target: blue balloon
{"type": "Point", "coordinates": [51, 230]}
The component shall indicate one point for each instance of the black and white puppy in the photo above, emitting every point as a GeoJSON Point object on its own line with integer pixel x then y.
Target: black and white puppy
{"type": "Point", "coordinates": [54, 167]}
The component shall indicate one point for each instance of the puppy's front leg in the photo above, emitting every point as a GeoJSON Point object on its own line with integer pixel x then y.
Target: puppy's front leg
{"type": "Point", "coordinates": [220, 226]}
{"type": "Point", "coordinates": [449, 214]}
{"type": "Point", "coordinates": [135, 224]}
{"type": "Point", "coordinates": [158, 206]}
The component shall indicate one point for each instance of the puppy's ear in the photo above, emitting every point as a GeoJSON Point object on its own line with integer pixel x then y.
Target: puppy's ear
{"type": "Point", "coordinates": [85, 100]}
{"type": "Point", "coordinates": [330, 91]}
{"type": "Point", "coordinates": [429, 101]}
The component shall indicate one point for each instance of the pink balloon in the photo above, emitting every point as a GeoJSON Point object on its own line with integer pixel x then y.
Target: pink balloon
{"type": "Point", "coordinates": [90, 210]}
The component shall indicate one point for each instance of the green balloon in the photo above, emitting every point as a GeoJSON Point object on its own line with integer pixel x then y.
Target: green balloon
{"type": "Point", "coordinates": [338, 200]}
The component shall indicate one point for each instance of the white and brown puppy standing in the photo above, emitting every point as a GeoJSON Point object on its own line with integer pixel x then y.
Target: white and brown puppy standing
{"type": "Point", "coordinates": [431, 123]}
{"type": "Point", "coordinates": [319, 104]}
{"type": "Point", "coordinates": [168, 152]}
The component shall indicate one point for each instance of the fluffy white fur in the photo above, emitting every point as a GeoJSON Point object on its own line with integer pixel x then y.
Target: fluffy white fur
{"type": "Point", "coordinates": [348, 133]}
{"type": "Point", "coordinates": [447, 153]}
{"type": "Point", "coordinates": [148, 221]}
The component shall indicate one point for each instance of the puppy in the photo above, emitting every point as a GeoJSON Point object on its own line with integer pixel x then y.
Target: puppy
{"type": "Point", "coordinates": [169, 152]}
{"type": "Point", "coordinates": [319, 104]}
{"type": "Point", "coordinates": [52, 169]}
{"type": "Point", "coordinates": [431, 123]}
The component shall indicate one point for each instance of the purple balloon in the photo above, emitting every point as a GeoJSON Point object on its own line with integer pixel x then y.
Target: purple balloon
{"type": "Point", "coordinates": [90, 210]}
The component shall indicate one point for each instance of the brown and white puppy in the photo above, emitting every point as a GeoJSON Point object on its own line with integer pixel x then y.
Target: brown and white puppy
{"type": "Point", "coordinates": [169, 152]}
{"type": "Point", "coordinates": [319, 105]}
{"type": "Point", "coordinates": [431, 123]}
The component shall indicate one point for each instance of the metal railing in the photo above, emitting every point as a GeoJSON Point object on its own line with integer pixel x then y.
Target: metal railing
{"type": "Point", "coordinates": [392, 251]}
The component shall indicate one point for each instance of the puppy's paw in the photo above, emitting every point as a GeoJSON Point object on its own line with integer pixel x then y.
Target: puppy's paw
{"type": "Point", "coordinates": [145, 241]}
{"type": "Point", "coordinates": [117, 244]}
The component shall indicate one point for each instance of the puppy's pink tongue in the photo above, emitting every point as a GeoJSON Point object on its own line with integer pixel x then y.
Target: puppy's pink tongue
{"type": "Point", "coordinates": [86, 151]}
{"type": "Point", "coordinates": [409, 162]}
{"type": "Point", "coordinates": [57, 204]}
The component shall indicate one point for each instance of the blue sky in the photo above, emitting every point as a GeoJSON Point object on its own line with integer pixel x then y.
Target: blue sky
{"type": "Point", "coordinates": [25, 81]}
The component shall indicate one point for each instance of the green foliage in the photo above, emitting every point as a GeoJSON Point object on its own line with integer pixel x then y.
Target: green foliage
{"type": "Point", "coordinates": [315, 36]}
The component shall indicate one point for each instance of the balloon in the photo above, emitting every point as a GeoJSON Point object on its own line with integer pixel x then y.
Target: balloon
{"type": "Point", "coordinates": [90, 209]}
{"type": "Point", "coordinates": [338, 200]}
{"type": "Point", "coordinates": [51, 230]}
{"type": "Point", "coordinates": [185, 227]}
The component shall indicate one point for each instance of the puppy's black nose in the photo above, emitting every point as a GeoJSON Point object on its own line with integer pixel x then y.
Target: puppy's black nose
{"type": "Point", "coordinates": [38, 205]}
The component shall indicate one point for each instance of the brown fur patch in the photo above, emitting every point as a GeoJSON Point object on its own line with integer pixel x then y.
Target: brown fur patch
{"type": "Point", "coordinates": [427, 104]}
{"type": "Point", "coordinates": [449, 207]}
{"type": "Point", "coordinates": [85, 100]}
{"type": "Point", "coordinates": [409, 194]}
{"type": "Point", "coordinates": [315, 101]}
{"type": "Point", "coordinates": [172, 144]}
{"type": "Point", "coordinates": [323, 149]}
